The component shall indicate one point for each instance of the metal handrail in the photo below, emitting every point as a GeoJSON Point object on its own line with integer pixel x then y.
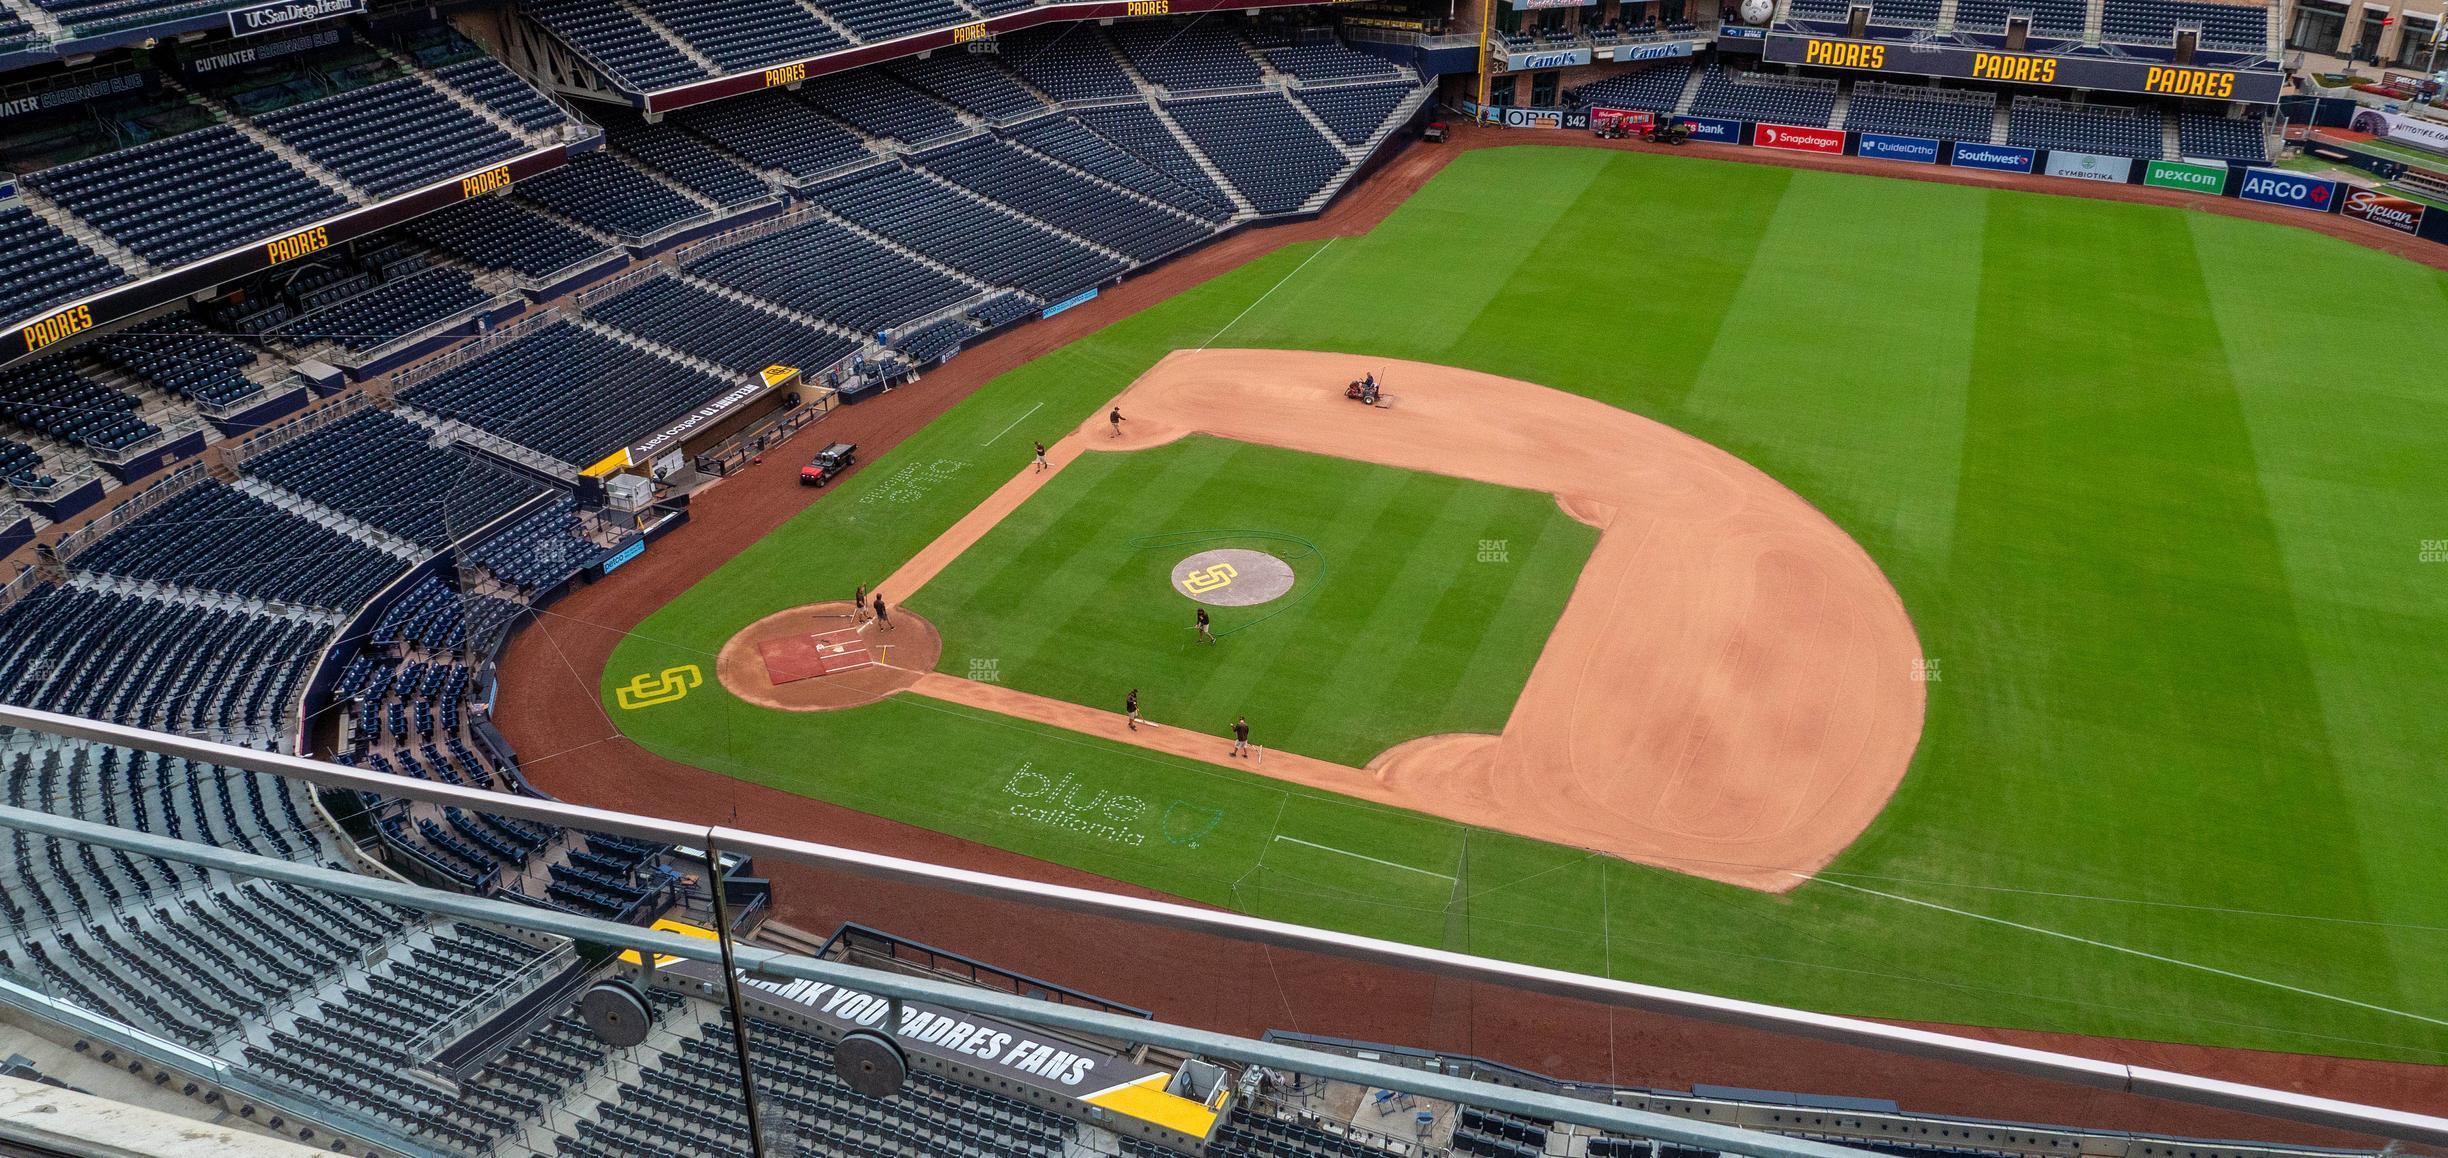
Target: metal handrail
{"type": "Point", "coordinates": [2088, 1072]}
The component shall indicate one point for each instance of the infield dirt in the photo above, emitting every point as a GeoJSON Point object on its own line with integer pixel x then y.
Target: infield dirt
{"type": "Point", "coordinates": [1730, 692]}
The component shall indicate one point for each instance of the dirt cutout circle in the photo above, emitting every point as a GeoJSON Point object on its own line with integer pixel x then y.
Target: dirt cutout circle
{"type": "Point", "coordinates": [1233, 577]}
{"type": "Point", "coordinates": [824, 656]}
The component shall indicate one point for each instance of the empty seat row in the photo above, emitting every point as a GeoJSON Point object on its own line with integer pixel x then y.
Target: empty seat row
{"type": "Point", "coordinates": [391, 137]}
{"type": "Point", "coordinates": [216, 538]}
{"type": "Point", "coordinates": [1263, 146]}
{"type": "Point", "coordinates": [386, 471]}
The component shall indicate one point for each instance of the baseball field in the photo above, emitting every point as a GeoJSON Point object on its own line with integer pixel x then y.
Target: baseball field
{"type": "Point", "coordinates": [2164, 513]}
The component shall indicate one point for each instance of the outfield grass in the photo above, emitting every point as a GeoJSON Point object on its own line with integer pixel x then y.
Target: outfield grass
{"type": "Point", "coordinates": [1394, 627]}
{"type": "Point", "coordinates": [2160, 522]}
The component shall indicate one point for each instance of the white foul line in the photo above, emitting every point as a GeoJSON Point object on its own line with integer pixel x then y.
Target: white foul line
{"type": "Point", "coordinates": [2148, 956]}
{"type": "Point", "coordinates": [1279, 283]}
{"type": "Point", "coordinates": [1370, 859]}
{"type": "Point", "coordinates": [1015, 422]}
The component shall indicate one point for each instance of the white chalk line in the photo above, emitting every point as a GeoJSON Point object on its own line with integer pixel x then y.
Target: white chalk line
{"type": "Point", "coordinates": [1014, 422]}
{"type": "Point", "coordinates": [1362, 856]}
{"type": "Point", "coordinates": [2144, 954]}
{"type": "Point", "coordinates": [1279, 284]}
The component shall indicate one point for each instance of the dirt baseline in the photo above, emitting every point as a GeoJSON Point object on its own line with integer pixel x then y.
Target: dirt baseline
{"type": "Point", "coordinates": [1730, 691]}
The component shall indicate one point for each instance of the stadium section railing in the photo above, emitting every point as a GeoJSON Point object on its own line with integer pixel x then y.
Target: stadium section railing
{"type": "Point", "coordinates": [716, 842]}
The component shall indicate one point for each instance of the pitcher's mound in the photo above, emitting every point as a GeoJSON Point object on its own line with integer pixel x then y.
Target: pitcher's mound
{"type": "Point", "coordinates": [820, 657]}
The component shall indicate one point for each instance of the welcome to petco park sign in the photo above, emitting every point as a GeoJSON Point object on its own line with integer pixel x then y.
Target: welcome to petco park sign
{"type": "Point", "coordinates": [1901, 59]}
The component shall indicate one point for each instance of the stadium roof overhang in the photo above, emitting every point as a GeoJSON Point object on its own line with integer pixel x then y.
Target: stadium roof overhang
{"type": "Point", "coordinates": [789, 72]}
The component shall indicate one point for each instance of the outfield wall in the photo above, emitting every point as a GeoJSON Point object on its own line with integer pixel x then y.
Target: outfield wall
{"type": "Point", "coordinates": [2270, 186]}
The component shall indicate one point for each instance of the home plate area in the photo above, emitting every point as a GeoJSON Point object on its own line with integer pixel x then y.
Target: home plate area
{"type": "Point", "coordinates": [799, 657]}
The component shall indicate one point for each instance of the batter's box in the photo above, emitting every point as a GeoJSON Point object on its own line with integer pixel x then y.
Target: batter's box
{"type": "Point", "coordinates": [799, 657]}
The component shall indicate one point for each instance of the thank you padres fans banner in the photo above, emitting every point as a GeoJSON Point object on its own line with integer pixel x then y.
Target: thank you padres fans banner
{"type": "Point", "coordinates": [2024, 68]}
{"type": "Point", "coordinates": [956, 1037]}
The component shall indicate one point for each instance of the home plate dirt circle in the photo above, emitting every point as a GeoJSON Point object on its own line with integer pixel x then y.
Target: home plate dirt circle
{"type": "Point", "coordinates": [1232, 577]}
{"type": "Point", "coordinates": [820, 657]}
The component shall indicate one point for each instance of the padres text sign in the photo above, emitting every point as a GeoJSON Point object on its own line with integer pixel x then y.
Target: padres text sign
{"type": "Point", "coordinates": [2259, 87]}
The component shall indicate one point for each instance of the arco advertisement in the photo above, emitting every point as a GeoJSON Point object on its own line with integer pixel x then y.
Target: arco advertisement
{"type": "Point", "coordinates": [2293, 190]}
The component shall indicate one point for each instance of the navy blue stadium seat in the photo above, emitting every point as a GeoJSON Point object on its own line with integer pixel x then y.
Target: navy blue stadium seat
{"type": "Point", "coordinates": [2114, 130]}
{"type": "Point", "coordinates": [1271, 152]}
{"type": "Point", "coordinates": [1947, 114]}
{"type": "Point", "coordinates": [602, 191]}
{"type": "Point", "coordinates": [1068, 63]}
{"type": "Point", "coordinates": [823, 269]}
{"type": "Point", "coordinates": [1127, 146]}
{"type": "Point", "coordinates": [214, 537]}
{"type": "Point", "coordinates": [1199, 55]}
{"type": "Point", "coordinates": [1750, 96]}
{"type": "Point", "coordinates": [41, 267]}
{"type": "Point", "coordinates": [186, 196]}
{"type": "Point", "coordinates": [687, 160]}
{"type": "Point", "coordinates": [386, 471]}
{"type": "Point", "coordinates": [390, 137]}
{"type": "Point", "coordinates": [979, 84]}
{"type": "Point", "coordinates": [882, 106]}
{"type": "Point", "coordinates": [618, 41]}
{"type": "Point", "coordinates": [568, 393]}
{"type": "Point", "coordinates": [503, 233]}
{"type": "Point", "coordinates": [717, 328]}
{"type": "Point", "coordinates": [180, 356]}
{"type": "Point", "coordinates": [1354, 112]}
{"type": "Point", "coordinates": [393, 310]}
{"type": "Point", "coordinates": [1053, 194]}
{"type": "Point", "coordinates": [775, 130]}
{"type": "Point", "coordinates": [745, 34]}
{"type": "Point", "coordinates": [1658, 88]}
{"type": "Point", "coordinates": [48, 396]}
{"type": "Point", "coordinates": [992, 246]}
{"type": "Point", "coordinates": [2225, 138]}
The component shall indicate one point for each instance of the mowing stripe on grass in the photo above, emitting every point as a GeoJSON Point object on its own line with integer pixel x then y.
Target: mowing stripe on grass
{"type": "Point", "coordinates": [2142, 953]}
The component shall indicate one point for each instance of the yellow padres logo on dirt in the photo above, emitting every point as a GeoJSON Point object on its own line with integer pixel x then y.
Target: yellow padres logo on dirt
{"type": "Point", "coordinates": [648, 688]}
{"type": "Point", "coordinates": [1232, 577]}
{"type": "Point", "coordinates": [1208, 579]}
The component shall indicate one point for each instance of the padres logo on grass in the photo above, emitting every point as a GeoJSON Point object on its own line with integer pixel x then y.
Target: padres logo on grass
{"type": "Point", "coordinates": [648, 688]}
{"type": "Point", "coordinates": [1232, 577]}
{"type": "Point", "coordinates": [1214, 578]}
